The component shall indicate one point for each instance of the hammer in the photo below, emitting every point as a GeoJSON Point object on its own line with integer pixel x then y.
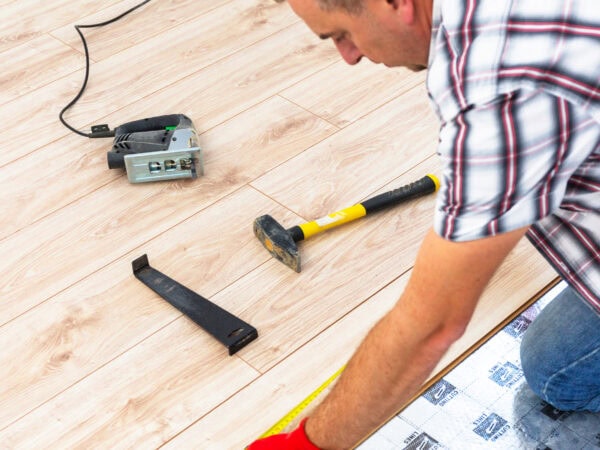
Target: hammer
{"type": "Point", "coordinates": [281, 243]}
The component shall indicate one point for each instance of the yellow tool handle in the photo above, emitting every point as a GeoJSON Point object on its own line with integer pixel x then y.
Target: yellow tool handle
{"type": "Point", "coordinates": [426, 185]}
{"type": "Point", "coordinates": [333, 220]}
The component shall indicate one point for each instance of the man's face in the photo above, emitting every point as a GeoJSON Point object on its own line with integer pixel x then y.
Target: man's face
{"type": "Point", "coordinates": [385, 31]}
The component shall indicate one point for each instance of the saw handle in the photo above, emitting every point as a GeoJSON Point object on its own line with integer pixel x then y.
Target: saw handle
{"type": "Point", "coordinates": [156, 123]}
{"type": "Point", "coordinates": [426, 185]}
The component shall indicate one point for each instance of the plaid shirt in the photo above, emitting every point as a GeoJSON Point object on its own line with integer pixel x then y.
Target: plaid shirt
{"type": "Point", "coordinates": [516, 84]}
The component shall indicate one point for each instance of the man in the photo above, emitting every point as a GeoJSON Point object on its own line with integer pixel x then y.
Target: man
{"type": "Point", "coordinates": [516, 86]}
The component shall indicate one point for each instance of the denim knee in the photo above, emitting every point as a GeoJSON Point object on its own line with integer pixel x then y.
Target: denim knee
{"type": "Point", "coordinates": [564, 388]}
{"type": "Point", "coordinates": [560, 354]}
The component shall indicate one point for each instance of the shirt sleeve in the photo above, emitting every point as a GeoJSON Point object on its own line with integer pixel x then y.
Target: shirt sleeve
{"type": "Point", "coordinates": [506, 163]}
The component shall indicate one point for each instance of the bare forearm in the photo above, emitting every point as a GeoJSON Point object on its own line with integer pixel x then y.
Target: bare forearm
{"type": "Point", "coordinates": [401, 350]}
{"type": "Point", "coordinates": [386, 371]}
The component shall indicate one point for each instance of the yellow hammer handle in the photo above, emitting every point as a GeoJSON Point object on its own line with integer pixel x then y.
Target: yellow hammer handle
{"type": "Point", "coordinates": [333, 220]}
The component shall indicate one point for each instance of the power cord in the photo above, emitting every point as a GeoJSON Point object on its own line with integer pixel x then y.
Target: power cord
{"type": "Point", "coordinates": [98, 131]}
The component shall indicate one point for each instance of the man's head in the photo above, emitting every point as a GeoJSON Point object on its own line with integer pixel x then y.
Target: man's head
{"type": "Point", "coordinates": [392, 32]}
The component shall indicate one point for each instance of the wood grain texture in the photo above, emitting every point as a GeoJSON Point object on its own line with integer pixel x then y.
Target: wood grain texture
{"type": "Point", "coordinates": [91, 358]}
{"type": "Point", "coordinates": [140, 71]}
{"type": "Point", "coordinates": [63, 172]}
{"type": "Point", "coordinates": [356, 161]}
{"type": "Point", "coordinates": [152, 19]}
{"type": "Point", "coordinates": [50, 255]}
{"type": "Point", "coordinates": [74, 167]}
{"type": "Point", "coordinates": [343, 94]}
{"type": "Point", "coordinates": [34, 64]}
{"type": "Point", "coordinates": [238, 82]}
{"type": "Point", "coordinates": [24, 20]}
{"type": "Point", "coordinates": [92, 323]}
{"type": "Point", "coordinates": [143, 398]}
{"type": "Point", "coordinates": [95, 321]}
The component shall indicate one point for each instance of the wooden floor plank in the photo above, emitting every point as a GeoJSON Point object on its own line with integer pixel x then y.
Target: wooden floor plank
{"type": "Point", "coordinates": [230, 86]}
{"type": "Point", "coordinates": [78, 239]}
{"type": "Point", "coordinates": [180, 52]}
{"type": "Point", "coordinates": [24, 20]}
{"type": "Point", "coordinates": [57, 175]}
{"type": "Point", "coordinates": [342, 94]}
{"type": "Point", "coordinates": [152, 19]}
{"type": "Point", "coordinates": [88, 325]}
{"type": "Point", "coordinates": [72, 167]}
{"type": "Point", "coordinates": [142, 399]}
{"type": "Point", "coordinates": [35, 63]}
{"type": "Point", "coordinates": [78, 324]}
{"type": "Point", "coordinates": [288, 383]}
{"type": "Point", "coordinates": [356, 161]}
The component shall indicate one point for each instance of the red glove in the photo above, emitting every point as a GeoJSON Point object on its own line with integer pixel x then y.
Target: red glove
{"type": "Point", "coordinates": [296, 440]}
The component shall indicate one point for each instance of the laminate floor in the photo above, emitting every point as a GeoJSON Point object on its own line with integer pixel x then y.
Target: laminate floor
{"type": "Point", "coordinates": [91, 358]}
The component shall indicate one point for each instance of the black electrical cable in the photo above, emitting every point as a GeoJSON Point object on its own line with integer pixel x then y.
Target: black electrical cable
{"type": "Point", "coordinates": [87, 73]}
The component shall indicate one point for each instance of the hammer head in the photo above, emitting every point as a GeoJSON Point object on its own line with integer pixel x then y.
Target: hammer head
{"type": "Point", "coordinates": [278, 241]}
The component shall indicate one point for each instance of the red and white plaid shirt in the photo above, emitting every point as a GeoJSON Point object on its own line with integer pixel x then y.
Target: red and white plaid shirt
{"type": "Point", "coordinates": [516, 84]}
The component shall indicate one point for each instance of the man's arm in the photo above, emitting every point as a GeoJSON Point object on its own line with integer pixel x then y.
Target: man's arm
{"type": "Point", "coordinates": [403, 348]}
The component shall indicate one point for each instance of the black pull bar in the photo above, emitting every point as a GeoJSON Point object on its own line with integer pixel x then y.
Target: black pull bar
{"type": "Point", "coordinates": [228, 329]}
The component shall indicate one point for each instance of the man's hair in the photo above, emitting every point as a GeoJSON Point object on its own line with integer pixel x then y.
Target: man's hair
{"type": "Point", "coordinates": [351, 6]}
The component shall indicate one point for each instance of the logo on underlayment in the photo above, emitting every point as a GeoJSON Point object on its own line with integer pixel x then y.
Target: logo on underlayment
{"type": "Point", "coordinates": [441, 393]}
{"type": "Point", "coordinates": [506, 375]}
{"type": "Point", "coordinates": [490, 427]}
{"type": "Point", "coordinates": [517, 327]}
{"type": "Point", "coordinates": [422, 442]}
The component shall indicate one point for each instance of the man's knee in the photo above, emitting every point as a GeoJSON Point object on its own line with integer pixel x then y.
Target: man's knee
{"type": "Point", "coordinates": [558, 386]}
{"type": "Point", "coordinates": [560, 354]}
{"type": "Point", "coordinates": [566, 395]}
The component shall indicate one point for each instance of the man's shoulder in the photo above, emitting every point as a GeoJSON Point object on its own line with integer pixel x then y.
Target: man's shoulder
{"type": "Point", "coordinates": [483, 50]}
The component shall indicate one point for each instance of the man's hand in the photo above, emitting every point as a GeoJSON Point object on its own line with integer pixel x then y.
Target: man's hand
{"type": "Point", "coordinates": [296, 440]}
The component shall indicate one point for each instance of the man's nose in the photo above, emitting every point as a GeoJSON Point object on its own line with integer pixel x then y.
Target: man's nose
{"type": "Point", "coordinates": [349, 52]}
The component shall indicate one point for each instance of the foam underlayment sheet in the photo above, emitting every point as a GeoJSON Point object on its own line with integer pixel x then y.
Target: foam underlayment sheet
{"type": "Point", "coordinates": [485, 403]}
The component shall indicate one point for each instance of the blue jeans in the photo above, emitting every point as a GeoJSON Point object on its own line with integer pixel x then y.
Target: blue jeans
{"type": "Point", "coordinates": [560, 354]}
